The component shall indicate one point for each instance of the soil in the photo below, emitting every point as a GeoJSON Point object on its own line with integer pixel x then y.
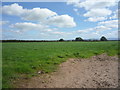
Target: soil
{"type": "Point", "coordinates": [99, 71]}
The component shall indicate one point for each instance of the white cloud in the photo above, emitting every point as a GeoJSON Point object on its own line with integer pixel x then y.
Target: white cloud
{"type": "Point", "coordinates": [59, 33]}
{"type": "Point", "coordinates": [101, 28]}
{"type": "Point", "coordinates": [16, 31]}
{"type": "Point", "coordinates": [98, 12]}
{"type": "Point", "coordinates": [76, 11]}
{"type": "Point", "coordinates": [41, 15]}
{"type": "Point", "coordinates": [95, 19]}
{"type": "Point", "coordinates": [89, 35]}
{"type": "Point", "coordinates": [62, 21]}
{"type": "Point", "coordinates": [84, 31]}
{"type": "Point", "coordinates": [28, 26]}
{"type": "Point", "coordinates": [94, 29]}
{"type": "Point", "coordinates": [95, 15]}
{"type": "Point", "coordinates": [28, 14]}
{"type": "Point", "coordinates": [13, 9]}
{"type": "Point", "coordinates": [96, 32]}
{"type": "Point", "coordinates": [38, 14]}
{"type": "Point", "coordinates": [113, 34]}
{"type": "Point", "coordinates": [44, 32]}
{"type": "Point", "coordinates": [110, 23]}
{"type": "Point", "coordinates": [23, 27]}
{"type": "Point", "coordinates": [4, 22]}
{"type": "Point", "coordinates": [115, 15]}
{"type": "Point", "coordinates": [88, 4]}
{"type": "Point", "coordinates": [109, 27]}
{"type": "Point", "coordinates": [73, 2]}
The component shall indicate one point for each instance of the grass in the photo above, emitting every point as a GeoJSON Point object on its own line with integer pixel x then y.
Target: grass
{"type": "Point", "coordinates": [30, 57]}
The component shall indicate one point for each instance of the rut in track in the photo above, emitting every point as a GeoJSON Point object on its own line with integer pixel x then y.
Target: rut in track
{"type": "Point", "coordinates": [96, 72]}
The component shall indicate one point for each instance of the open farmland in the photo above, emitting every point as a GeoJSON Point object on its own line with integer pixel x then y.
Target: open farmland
{"type": "Point", "coordinates": [24, 59]}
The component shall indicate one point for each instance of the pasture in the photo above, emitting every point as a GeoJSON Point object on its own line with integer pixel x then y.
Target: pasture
{"type": "Point", "coordinates": [25, 59]}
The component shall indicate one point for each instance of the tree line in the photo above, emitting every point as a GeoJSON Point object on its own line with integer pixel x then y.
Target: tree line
{"type": "Point", "coordinates": [80, 39]}
{"type": "Point", "coordinates": [60, 40]}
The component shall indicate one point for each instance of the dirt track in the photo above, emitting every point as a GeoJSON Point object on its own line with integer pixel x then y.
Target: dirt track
{"type": "Point", "coordinates": [96, 72]}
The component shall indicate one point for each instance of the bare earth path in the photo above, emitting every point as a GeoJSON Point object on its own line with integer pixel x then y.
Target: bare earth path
{"type": "Point", "coordinates": [96, 72]}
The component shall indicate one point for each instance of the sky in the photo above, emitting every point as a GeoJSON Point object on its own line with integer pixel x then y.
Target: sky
{"type": "Point", "coordinates": [88, 19]}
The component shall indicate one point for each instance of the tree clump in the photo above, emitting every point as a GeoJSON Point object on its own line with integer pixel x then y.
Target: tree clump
{"type": "Point", "coordinates": [79, 39]}
{"type": "Point", "coordinates": [103, 38]}
{"type": "Point", "coordinates": [61, 40]}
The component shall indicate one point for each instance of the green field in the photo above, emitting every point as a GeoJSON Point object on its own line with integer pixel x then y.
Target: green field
{"type": "Point", "coordinates": [30, 57]}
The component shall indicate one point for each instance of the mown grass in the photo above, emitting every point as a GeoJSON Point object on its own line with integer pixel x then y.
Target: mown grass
{"type": "Point", "coordinates": [30, 57]}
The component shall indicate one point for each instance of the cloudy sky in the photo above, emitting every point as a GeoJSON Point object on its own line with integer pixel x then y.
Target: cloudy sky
{"type": "Point", "coordinates": [89, 19]}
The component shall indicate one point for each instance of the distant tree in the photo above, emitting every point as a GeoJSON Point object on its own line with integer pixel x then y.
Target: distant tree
{"type": "Point", "coordinates": [61, 39]}
{"type": "Point", "coordinates": [79, 39]}
{"type": "Point", "coordinates": [103, 38]}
